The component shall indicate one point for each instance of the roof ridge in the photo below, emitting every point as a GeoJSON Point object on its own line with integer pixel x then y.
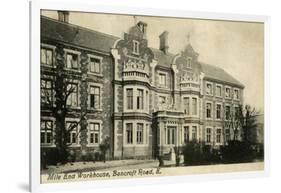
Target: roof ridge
{"type": "Point", "coordinates": [79, 27]}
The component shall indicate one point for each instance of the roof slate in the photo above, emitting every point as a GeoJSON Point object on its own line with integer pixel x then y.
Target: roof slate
{"type": "Point", "coordinates": [217, 73]}
{"type": "Point", "coordinates": [60, 31]}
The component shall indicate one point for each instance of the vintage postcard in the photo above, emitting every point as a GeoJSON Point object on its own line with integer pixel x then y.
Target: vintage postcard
{"type": "Point", "coordinates": [134, 96]}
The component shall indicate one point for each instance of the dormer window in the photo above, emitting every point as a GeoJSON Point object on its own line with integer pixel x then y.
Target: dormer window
{"type": "Point", "coordinates": [188, 63]}
{"type": "Point", "coordinates": [136, 47]}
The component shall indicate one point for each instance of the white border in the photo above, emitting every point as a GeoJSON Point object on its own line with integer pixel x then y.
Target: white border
{"type": "Point", "coordinates": [35, 7]}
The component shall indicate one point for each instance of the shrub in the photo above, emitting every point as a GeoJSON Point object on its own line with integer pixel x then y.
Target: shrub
{"type": "Point", "coordinates": [49, 157]}
{"type": "Point", "coordinates": [237, 152]}
{"type": "Point", "coordinates": [199, 154]}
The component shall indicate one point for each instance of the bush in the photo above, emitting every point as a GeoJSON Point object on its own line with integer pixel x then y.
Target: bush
{"type": "Point", "coordinates": [49, 157]}
{"type": "Point", "coordinates": [238, 152]}
{"type": "Point", "coordinates": [199, 154]}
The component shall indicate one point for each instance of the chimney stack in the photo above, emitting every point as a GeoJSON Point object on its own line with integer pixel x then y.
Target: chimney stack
{"type": "Point", "coordinates": [63, 16]}
{"type": "Point", "coordinates": [164, 45]}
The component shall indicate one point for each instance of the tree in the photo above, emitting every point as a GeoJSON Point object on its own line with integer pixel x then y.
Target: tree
{"type": "Point", "coordinates": [249, 124]}
{"type": "Point", "coordinates": [233, 121]}
{"type": "Point", "coordinates": [63, 88]}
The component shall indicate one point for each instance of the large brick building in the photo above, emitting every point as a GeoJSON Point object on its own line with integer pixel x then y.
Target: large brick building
{"type": "Point", "coordinates": [145, 100]}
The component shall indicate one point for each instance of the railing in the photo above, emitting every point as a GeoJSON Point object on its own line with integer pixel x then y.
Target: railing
{"type": "Point", "coordinates": [135, 74]}
{"type": "Point", "coordinates": [190, 85]}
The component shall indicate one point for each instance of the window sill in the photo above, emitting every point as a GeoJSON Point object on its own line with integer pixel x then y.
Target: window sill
{"type": "Point", "coordinates": [74, 145]}
{"type": "Point", "coordinates": [95, 74]}
{"type": "Point", "coordinates": [72, 70]}
{"type": "Point", "coordinates": [48, 145]}
{"type": "Point", "coordinates": [48, 66]}
{"type": "Point", "coordinates": [93, 145]}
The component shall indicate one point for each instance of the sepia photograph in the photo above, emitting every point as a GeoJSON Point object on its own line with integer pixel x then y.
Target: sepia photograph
{"type": "Point", "coordinates": [134, 96]}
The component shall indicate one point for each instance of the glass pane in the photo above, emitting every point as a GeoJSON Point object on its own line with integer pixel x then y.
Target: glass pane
{"type": "Point", "coordinates": [43, 56]}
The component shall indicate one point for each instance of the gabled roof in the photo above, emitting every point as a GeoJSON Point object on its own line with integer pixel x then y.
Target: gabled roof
{"type": "Point", "coordinates": [162, 58]}
{"type": "Point", "coordinates": [219, 74]}
{"type": "Point", "coordinates": [65, 32]}
{"type": "Point", "coordinates": [52, 29]}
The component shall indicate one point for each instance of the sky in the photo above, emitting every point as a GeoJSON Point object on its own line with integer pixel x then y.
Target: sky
{"type": "Point", "coordinates": [237, 47]}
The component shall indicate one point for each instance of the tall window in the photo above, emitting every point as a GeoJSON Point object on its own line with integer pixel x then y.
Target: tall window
{"type": "Point", "coordinates": [209, 110]}
{"type": "Point", "coordinates": [227, 135]}
{"type": "Point", "coordinates": [194, 106]}
{"type": "Point", "coordinates": [72, 61]}
{"type": "Point", "coordinates": [186, 105]}
{"type": "Point", "coordinates": [139, 99]}
{"type": "Point", "coordinates": [72, 99]}
{"type": "Point", "coordinates": [194, 133]}
{"type": "Point", "coordinates": [208, 135]}
{"type": "Point", "coordinates": [162, 79]}
{"type": "Point", "coordinates": [94, 133]}
{"type": "Point", "coordinates": [95, 65]}
{"type": "Point", "coordinates": [46, 91]}
{"type": "Point", "coordinates": [218, 136]}
{"type": "Point", "coordinates": [72, 128]}
{"type": "Point", "coordinates": [218, 91]}
{"type": "Point", "coordinates": [236, 112]}
{"type": "Point", "coordinates": [218, 111]}
{"type": "Point", "coordinates": [95, 97]}
{"type": "Point", "coordinates": [46, 132]}
{"type": "Point", "coordinates": [136, 47]}
{"type": "Point", "coordinates": [140, 133]}
{"type": "Point", "coordinates": [47, 56]}
{"type": "Point", "coordinates": [209, 89]}
{"type": "Point", "coordinates": [171, 132]}
{"type": "Point", "coordinates": [129, 133]}
{"type": "Point", "coordinates": [186, 134]}
{"type": "Point", "coordinates": [227, 112]}
{"type": "Point", "coordinates": [236, 94]}
{"type": "Point", "coordinates": [227, 92]}
{"type": "Point", "coordinates": [129, 98]}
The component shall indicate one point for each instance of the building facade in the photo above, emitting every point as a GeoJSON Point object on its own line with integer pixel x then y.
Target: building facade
{"type": "Point", "coordinates": [146, 100]}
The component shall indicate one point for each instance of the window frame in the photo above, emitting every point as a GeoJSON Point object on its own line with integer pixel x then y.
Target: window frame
{"type": "Point", "coordinates": [225, 88]}
{"type": "Point", "coordinates": [140, 99]}
{"type": "Point", "coordinates": [221, 93]}
{"type": "Point", "coordinates": [129, 139]}
{"type": "Point", "coordinates": [71, 95]}
{"type": "Point", "coordinates": [140, 130]}
{"type": "Point", "coordinates": [72, 52]}
{"type": "Point", "coordinates": [220, 141]}
{"type": "Point", "coordinates": [206, 86]}
{"type": "Point", "coordinates": [130, 99]}
{"type": "Point", "coordinates": [136, 47]}
{"type": "Point", "coordinates": [238, 94]}
{"type": "Point", "coordinates": [221, 110]}
{"type": "Point", "coordinates": [51, 90]}
{"type": "Point", "coordinates": [90, 64]}
{"type": "Point", "coordinates": [94, 131]}
{"type": "Point", "coordinates": [209, 135]}
{"type": "Point", "coordinates": [160, 83]}
{"type": "Point", "coordinates": [211, 110]}
{"type": "Point", "coordinates": [77, 130]}
{"type": "Point", "coordinates": [46, 131]}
